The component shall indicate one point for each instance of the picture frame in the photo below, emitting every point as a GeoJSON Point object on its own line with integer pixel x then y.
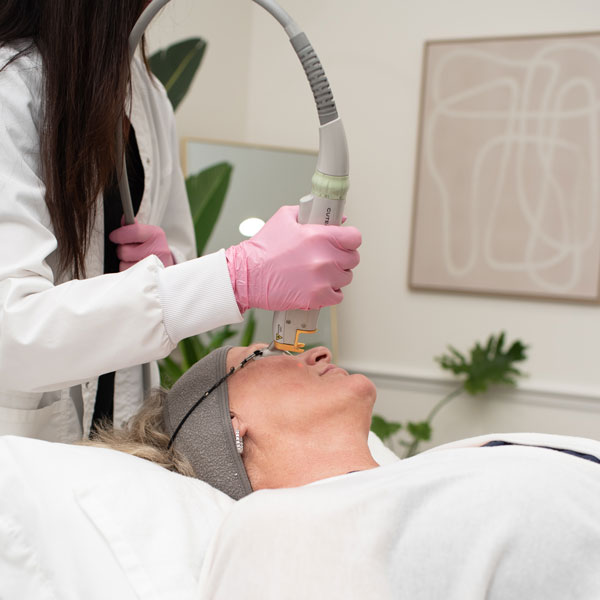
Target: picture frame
{"type": "Point", "coordinates": [507, 182]}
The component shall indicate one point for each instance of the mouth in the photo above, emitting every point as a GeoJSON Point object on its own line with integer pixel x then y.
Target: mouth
{"type": "Point", "coordinates": [330, 368]}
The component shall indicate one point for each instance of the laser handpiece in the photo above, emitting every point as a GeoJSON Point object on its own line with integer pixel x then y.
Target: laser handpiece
{"type": "Point", "coordinates": [325, 204]}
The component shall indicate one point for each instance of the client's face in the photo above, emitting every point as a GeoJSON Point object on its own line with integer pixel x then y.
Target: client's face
{"type": "Point", "coordinates": [283, 393]}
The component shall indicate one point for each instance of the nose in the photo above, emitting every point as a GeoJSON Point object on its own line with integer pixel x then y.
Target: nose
{"type": "Point", "coordinates": [315, 355]}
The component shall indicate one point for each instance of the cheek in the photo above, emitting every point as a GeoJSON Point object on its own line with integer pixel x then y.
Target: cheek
{"type": "Point", "coordinates": [275, 394]}
{"type": "Point", "coordinates": [286, 378]}
{"type": "Point", "coordinates": [256, 394]}
{"type": "Point", "coordinates": [354, 389]}
{"type": "Point", "coordinates": [239, 392]}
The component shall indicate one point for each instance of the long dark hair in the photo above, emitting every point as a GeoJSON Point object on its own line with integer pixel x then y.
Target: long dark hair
{"type": "Point", "coordinates": [83, 46]}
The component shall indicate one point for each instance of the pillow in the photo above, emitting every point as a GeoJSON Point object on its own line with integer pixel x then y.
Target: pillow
{"type": "Point", "coordinates": [380, 452]}
{"type": "Point", "coordinates": [85, 522]}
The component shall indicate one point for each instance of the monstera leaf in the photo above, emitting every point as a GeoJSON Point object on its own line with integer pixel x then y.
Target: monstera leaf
{"type": "Point", "coordinates": [206, 193]}
{"type": "Point", "coordinates": [176, 66]}
{"type": "Point", "coordinates": [487, 364]}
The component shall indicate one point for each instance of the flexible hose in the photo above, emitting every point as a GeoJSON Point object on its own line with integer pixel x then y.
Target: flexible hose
{"type": "Point", "coordinates": [319, 84]}
{"type": "Point", "coordinates": [312, 66]}
{"type": "Point", "coordinates": [276, 11]}
{"type": "Point", "coordinates": [309, 59]}
{"type": "Point", "coordinates": [134, 39]}
{"type": "Point", "coordinates": [142, 23]}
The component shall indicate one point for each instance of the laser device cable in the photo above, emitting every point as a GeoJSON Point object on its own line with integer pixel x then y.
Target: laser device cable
{"type": "Point", "coordinates": [129, 217]}
{"type": "Point", "coordinates": [325, 204]}
{"type": "Point", "coordinates": [134, 39]}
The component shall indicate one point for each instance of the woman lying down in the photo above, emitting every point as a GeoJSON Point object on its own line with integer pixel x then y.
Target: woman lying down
{"type": "Point", "coordinates": [497, 517]}
{"type": "Point", "coordinates": [242, 422]}
{"type": "Point", "coordinates": [310, 514]}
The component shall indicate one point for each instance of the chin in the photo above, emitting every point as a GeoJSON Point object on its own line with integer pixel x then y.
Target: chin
{"type": "Point", "coordinates": [365, 387]}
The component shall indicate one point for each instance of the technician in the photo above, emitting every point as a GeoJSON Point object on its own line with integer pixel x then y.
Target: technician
{"type": "Point", "coordinates": [84, 301]}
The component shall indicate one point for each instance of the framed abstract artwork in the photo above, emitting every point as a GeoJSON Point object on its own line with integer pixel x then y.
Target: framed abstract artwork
{"type": "Point", "coordinates": [507, 184]}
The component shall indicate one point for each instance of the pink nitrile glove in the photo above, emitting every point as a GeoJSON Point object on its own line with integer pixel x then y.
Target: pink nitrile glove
{"type": "Point", "coordinates": [288, 266]}
{"type": "Point", "coordinates": [136, 242]}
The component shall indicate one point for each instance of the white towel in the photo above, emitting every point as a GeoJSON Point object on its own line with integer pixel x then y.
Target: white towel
{"type": "Point", "coordinates": [457, 523]}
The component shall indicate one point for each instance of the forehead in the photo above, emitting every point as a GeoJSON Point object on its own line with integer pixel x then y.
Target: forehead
{"type": "Point", "coordinates": [238, 354]}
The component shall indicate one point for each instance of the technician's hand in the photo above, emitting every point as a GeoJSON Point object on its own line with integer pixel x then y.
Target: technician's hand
{"type": "Point", "coordinates": [135, 242]}
{"type": "Point", "coordinates": [289, 266]}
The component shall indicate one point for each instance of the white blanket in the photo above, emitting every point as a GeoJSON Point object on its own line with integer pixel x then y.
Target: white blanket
{"type": "Point", "coordinates": [81, 523]}
{"type": "Point", "coordinates": [456, 523]}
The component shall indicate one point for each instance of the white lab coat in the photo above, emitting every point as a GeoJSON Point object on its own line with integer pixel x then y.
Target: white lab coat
{"type": "Point", "coordinates": [57, 337]}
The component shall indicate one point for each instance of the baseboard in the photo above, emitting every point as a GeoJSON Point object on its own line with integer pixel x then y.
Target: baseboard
{"type": "Point", "coordinates": [530, 392]}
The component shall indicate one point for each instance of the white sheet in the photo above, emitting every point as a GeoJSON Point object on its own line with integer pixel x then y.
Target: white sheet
{"type": "Point", "coordinates": [458, 522]}
{"type": "Point", "coordinates": [87, 523]}
{"type": "Point", "coordinates": [509, 523]}
{"type": "Point", "coordinates": [80, 523]}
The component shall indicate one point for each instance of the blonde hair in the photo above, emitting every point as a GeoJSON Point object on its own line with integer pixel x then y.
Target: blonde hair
{"type": "Point", "coordinates": [144, 436]}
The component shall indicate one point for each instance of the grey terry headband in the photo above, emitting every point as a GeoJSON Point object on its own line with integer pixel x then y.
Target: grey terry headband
{"type": "Point", "coordinates": [206, 438]}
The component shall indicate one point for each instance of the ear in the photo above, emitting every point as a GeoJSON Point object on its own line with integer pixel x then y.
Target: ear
{"type": "Point", "coordinates": [239, 425]}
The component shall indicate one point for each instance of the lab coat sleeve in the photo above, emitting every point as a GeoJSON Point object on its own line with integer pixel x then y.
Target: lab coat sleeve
{"type": "Point", "coordinates": [54, 336]}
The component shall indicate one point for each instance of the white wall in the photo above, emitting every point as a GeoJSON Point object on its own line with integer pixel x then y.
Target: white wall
{"type": "Point", "coordinates": [255, 91]}
{"type": "Point", "coordinates": [216, 107]}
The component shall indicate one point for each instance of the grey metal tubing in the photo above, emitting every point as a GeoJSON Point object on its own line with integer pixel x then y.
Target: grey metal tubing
{"type": "Point", "coordinates": [309, 59]}
{"type": "Point", "coordinates": [306, 54]}
{"type": "Point", "coordinates": [142, 23]}
{"type": "Point", "coordinates": [319, 84]}
{"type": "Point", "coordinates": [126, 202]}
{"type": "Point", "coordinates": [134, 39]}
{"type": "Point", "coordinates": [276, 11]}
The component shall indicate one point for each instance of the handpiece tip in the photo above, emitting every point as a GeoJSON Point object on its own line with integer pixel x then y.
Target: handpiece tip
{"type": "Point", "coordinates": [272, 350]}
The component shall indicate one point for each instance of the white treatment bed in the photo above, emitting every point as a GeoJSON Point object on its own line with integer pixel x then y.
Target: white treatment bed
{"type": "Point", "coordinates": [458, 522]}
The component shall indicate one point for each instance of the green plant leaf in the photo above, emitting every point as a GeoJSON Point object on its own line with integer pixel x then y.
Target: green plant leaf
{"type": "Point", "coordinates": [170, 372]}
{"type": "Point", "coordinates": [420, 431]}
{"type": "Point", "coordinates": [219, 337]}
{"type": "Point", "coordinates": [487, 364]}
{"type": "Point", "coordinates": [206, 193]}
{"type": "Point", "coordinates": [200, 348]}
{"type": "Point", "coordinates": [176, 67]}
{"type": "Point", "coordinates": [384, 429]}
{"type": "Point", "coordinates": [249, 329]}
{"type": "Point", "coordinates": [192, 350]}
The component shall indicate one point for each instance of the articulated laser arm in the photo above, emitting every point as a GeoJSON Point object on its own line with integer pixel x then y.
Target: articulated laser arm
{"type": "Point", "coordinates": [325, 204]}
